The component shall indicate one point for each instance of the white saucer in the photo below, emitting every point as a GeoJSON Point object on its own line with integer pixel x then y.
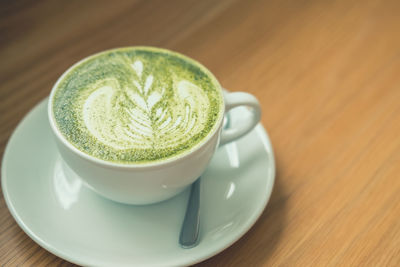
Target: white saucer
{"type": "Point", "coordinates": [56, 211]}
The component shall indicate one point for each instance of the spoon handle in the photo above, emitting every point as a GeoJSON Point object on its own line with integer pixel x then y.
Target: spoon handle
{"type": "Point", "coordinates": [190, 228]}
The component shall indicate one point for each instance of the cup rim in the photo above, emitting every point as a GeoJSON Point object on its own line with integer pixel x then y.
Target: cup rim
{"type": "Point", "coordinates": [146, 165]}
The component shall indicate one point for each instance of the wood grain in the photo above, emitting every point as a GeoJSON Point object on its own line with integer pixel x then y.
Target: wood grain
{"type": "Point", "coordinates": [327, 74]}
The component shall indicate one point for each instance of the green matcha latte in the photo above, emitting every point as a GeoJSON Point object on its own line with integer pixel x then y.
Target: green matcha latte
{"type": "Point", "coordinates": [137, 105]}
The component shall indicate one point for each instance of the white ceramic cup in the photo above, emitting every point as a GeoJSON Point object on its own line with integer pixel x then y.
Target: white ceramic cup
{"type": "Point", "coordinates": [158, 181]}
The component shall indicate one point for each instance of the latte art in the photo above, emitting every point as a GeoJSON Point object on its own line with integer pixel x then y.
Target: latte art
{"type": "Point", "coordinates": [140, 118]}
{"type": "Point", "coordinates": [137, 105]}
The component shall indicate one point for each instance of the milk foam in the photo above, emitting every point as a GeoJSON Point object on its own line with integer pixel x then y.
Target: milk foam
{"type": "Point", "coordinates": [137, 105]}
{"type": "Point", "coordinates": [145, 124]}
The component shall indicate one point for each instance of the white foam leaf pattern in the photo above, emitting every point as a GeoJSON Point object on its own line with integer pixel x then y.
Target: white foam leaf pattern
{"type": "Point", "coordinates": [148, 83]}
{"type": "Point", "coordinates": [142, 116]}
{"type": "Point", "coordinates": [153, 99]}
{"type": "Point", "coordinates": [137, 66]}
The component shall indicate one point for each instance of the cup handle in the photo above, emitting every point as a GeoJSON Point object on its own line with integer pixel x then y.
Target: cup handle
{"type": "Point", "coordinates": [236, 99]}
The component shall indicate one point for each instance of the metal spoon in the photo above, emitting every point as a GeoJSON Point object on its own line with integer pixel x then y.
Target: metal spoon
{"type": "Point", "coordinates": [190, 227]}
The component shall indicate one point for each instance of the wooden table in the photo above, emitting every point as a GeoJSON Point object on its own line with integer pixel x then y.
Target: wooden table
{"type": "Point", "coordinates": [327, 74]}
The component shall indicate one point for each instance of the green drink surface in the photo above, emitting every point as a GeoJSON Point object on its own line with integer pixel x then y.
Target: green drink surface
{"type": "Point", "coordinates": [137, 105]}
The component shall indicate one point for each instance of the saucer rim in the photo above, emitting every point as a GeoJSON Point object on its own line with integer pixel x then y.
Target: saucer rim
{"type": "Point", "coordinates": [235, 236]}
